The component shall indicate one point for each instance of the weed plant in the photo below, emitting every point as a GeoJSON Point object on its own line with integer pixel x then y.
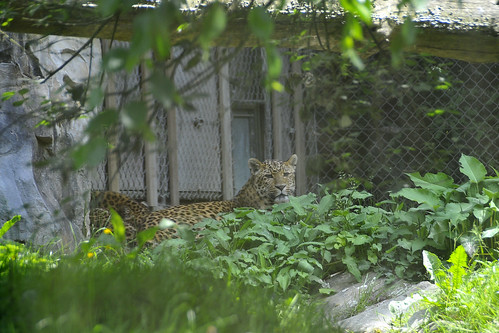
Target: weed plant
{"type": "Point", "coordinates": [468, 300]}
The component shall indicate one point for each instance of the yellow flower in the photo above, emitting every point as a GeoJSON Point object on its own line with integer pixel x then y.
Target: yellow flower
{"type": "Point", "coordinates": [90, 254]}
{"type": "Point", "coordinates": [107, 231]}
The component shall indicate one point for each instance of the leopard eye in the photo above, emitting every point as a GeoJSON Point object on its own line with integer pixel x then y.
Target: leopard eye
{"type": "Point", "coordinates": [269, 175]}
{"type": "Point", "coordinates": [286, 174]}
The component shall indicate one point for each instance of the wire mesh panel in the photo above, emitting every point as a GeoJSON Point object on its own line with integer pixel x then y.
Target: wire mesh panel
{"type": "Point", "coordinates": [198, 131]}
{"type": "Point", "coordinates": [131, 171]}
{"type": "Point", "coordinates": [251, 112]}
{"type": "Point", "coordinates": [98, 178]}
{"type": "Point", "coordinates": [379, 124]}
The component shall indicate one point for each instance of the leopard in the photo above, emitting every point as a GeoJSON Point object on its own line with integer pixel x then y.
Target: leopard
{"type": "Point", "coordinates": [270, 182]}
{"type": "Point", "coordinates": [130, 210]}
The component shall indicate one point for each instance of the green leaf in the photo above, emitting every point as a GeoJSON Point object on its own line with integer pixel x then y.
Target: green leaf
{"type": "Point", "coordinates": [8, 224]}
{"type": "Point", "coordinates": [417, 244]}
{"type": "Point", "coordinates": [305, 266]}
{"type": "Point", "coordinates": [360, 239]}
{"type": "Point", "coordinates": [459, 259]}
{"type": "Point", "coordinates": [325, 204]}
{"type": "Point", "coordinates": [163, 89]}
{"type": "Point", "coordinates": [274, 63]}
{"type": "Point", "coordinates": [102, 121]}
{"type": "Point", "coordinates": [434, 266]}
{"type": "Point", "coordinates": [284, 278]}
{"type": "Point", "coordinates": [439, 182]}
{"type": "Point", "coordinates": [352, 267]}
{"type": "Point", "coordinates": [8, 95]}
{"type": "Point", "coordinates": [213, 25]}
{"type": "Point", "coordinates": [420, 195]}
{"type": "Point", "coordinates": [297, 206]}
{"type": "Point", "coordinates": [327, 291]}
{"type": "Point", "coordinates": [487, 233]}
{"type": "Point", "coordinates": [134, 116]}
{"type": "Point", "coordinates": [92, 153]}
{"type": "Point", "coordinates": [118, 226]}
{"type": "Point", "coordinates": [260, 23]}
{"type": "Point", "coordinates": [362, 9]}
{"type": "Point", "coordinates": [472, 168]}
{"type": "Point", "coordinates": [115, 60]}
{"type": "Point", "coordinates": [146, 235]}
{"type": "Point", "coordinates": [361, 195]}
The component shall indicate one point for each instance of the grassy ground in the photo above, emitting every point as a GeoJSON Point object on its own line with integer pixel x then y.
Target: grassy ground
{"type": "Point", "coordinates": [131, 296]}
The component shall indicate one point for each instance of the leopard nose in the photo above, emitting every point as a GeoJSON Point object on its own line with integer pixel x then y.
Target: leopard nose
{"type": "Point", "coordinates": [281, 186]}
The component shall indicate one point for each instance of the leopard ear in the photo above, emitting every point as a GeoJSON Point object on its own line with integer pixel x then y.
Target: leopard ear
{"type": "Point", "coordinates": [254, 165]}
{"type": "Point", "coordinates": [292, 160]}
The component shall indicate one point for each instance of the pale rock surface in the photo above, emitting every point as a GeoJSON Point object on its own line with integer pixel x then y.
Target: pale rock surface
{"type": "Point", "coordinates": [51, 206]}
{"type": "Point", "coordinates": [369, 300]}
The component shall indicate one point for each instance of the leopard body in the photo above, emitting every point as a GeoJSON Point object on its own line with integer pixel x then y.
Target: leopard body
{"type": "Point", "coordinates": [270, 182]}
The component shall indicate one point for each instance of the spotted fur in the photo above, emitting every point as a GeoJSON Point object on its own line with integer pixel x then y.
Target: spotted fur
{"type": "Point", "coordinates": [270, 182]}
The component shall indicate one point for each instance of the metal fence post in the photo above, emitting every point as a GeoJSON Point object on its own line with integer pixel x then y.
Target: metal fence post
{"type": "Point", "coordinates": [301, 176]}
{"type": "Point", "coordinates": [150, 151]}
{"type": "Point", "coordinates": [111, 101]}
{"type": "Point", "coordinates": [225, 114]}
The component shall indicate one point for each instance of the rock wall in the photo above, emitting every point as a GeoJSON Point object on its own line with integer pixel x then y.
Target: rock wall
{"type": "Point", "coordinates": [52, 204]}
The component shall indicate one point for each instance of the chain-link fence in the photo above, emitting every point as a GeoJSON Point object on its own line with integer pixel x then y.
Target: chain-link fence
{"type": "Point", "coordinates": [381, 123]}
{"type": "Point", "coordinates": [372, 126]}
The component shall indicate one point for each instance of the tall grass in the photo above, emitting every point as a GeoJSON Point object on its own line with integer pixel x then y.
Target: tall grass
{"type": "Point", "coordinates": [129, 296]}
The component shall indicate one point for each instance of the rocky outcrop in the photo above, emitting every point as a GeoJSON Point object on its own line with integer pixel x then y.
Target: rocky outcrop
{"type": "Point", "coordinates": [373, 304]}
{"type": "Point", "coordinates": [49, 201]}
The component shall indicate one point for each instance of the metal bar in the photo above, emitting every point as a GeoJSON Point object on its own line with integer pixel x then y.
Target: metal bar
{"type": "Point", "coordinates": [225, 114]}
{"type": "Point", "coordinates": [150, 151]}
{"type": "Point", "coordinates": [301, 176]}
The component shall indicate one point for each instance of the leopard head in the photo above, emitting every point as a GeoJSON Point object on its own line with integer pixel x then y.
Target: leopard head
{"type": "Point", "coordinates": [271, 182]}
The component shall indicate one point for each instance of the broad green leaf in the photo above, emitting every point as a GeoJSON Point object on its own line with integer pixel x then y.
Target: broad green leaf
{"type": "Point", "coordinates": [433, 266]}
{"type": "Point", "coordinates": [274, 63]}
{"type": "Point", "coordinates": [163, 89]}
{"type": "Point", "coordinates": [146, 235]}
{"type": "Point", "coordinates": [95, 98]}
{"type": "Point", "coordinates": [420, 195]}
{"type": "Point", "coordinates": [361, 239]}
{"type": "Point", "coordinates": [213, 25]}
{"type": "Point", "coordinates": [118, 226]}
{"type": "Point", "coordinates": [283, 278]}
{"type": "Point", "coordinates": [436, 182]}
{"type": "Point", "coordinates": [260, 23]}
{"type": "Point", "coordinates": [8, 95]}
{"type": "Point", "coordinates": [8, 224]}
{"type": "Point", "coordinates": [359, 8]}
{"type": "Point", "coordinates": [305, 266]}
{"type": "Point", "coordinates": [325, 205]}
{"type": "Point", "coordinates": [102, 121]}
{"type": "Point", "coordinates": [482, 214]}
{"type": "Point", "coordinates": [327, 291]}
{"type": "Point", "coordinates": [352, 267]}
{"type": "Point", "coordinates": [92, 153]}
{"type": "Point", "coordinates": [297, 206]}
{"type": "Point", "coordinates": [361, 195]}
{"type": "Point", "coordinates": [487, 233]}
{"type": "Point", "coordinates": [134, 116]}
{"type": "Point", "coordinates": [417, 244]}
{"type": "Point", "coordinates": [354, 29]}
{"type": "Point", "coordinates": [472, 168]}
{"type": "Point", "coordinates": [459, 259]}
{"type": "Point", "coordinates": [115, 60]}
